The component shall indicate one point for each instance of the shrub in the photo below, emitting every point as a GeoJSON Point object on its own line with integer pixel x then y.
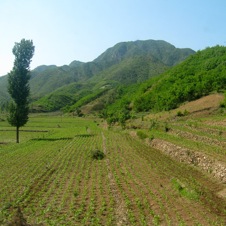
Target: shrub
{"type": "Point", "coordinates": [151, 137]}
{"type": "Point", "coordinates": [186, 112]}
{"type": "Point", "coordinates": [141, 135]}
{"type": "Point", "coordinates": [97, 154]}
{"type": "Point", "coordinates": [154, 124]}
{"type": "Point", "coordinates": [166, 127]}
{"type": "Point", "coordinates": [179, 113]}
{"type": "Point", "coordinates": [223, 103]}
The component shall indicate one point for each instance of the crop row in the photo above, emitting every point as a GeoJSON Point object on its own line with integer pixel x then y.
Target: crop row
{"type": "Point", "coordinates": [56, 182]}
{"type": "Point", "coordinates": [146, 177]}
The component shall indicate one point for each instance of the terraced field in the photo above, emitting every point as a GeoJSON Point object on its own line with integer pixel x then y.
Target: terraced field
{"type": "Point", "coordinates": [51, 179]}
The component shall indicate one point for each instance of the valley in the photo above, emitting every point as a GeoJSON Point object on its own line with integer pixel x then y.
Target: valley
{"type": "Point", "coordinates": [52, 177]}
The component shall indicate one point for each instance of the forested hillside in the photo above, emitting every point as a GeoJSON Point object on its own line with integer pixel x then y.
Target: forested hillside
{"type": "Point", "coordinates": [199, 75]}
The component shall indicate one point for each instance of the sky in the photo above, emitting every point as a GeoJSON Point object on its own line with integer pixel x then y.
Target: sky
{"type": "Point", "coordinates": [66, 30]}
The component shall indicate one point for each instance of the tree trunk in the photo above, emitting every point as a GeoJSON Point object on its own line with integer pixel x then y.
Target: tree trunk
{"type": "Point", "coordinates": [17, 134]}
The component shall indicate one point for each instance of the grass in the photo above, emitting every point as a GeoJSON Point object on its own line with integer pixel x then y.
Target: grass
{"type": "Point", "coordinates": [185, 191]}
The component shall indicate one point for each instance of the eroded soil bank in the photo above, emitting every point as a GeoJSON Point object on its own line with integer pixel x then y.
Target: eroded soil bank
{"type": "Point", "coordinates": [216, 168]}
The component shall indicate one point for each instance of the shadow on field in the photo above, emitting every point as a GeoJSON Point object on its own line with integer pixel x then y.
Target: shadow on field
{"type": "Point", "coordinates": [52, 139]}
{"type": "Point", "coordinates": [24, 130]}
{"type": "Point", "coordinates": [84, 135]}
{"type": "Point", "coordinates": [3, 143]}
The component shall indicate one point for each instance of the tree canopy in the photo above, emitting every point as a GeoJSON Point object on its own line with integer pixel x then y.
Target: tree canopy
{"type": "Point", "coordinates": [18, 84]}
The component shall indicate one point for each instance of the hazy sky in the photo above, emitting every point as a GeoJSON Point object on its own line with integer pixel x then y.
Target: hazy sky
{"type": "Point", "coordinates": [67, 30]}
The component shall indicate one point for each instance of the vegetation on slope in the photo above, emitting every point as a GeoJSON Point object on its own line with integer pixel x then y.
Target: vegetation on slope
{"type": "Point", "coordinates": [64, 96]}
{"type": "Point", "coordinates": [132, 70]}
{"type": "Point", "coordinates": [199, 75]}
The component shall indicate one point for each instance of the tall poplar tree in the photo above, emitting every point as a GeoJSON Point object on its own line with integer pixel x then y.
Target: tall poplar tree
{"type": "Point", "coordinates": [18, 84]}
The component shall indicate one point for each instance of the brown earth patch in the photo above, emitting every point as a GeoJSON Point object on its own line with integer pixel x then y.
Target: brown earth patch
{"type": "Point", "coordinates": [219, 123]}
{"type": "Point", "coordinates": [207, 103]}
{"type": "Point", "coordinates": [222, 193]}
{"type": "Point", "coordinates": [203, 106]}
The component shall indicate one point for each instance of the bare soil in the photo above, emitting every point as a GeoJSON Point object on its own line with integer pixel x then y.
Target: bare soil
{"type": "Point", "coordinates": [203, 106]}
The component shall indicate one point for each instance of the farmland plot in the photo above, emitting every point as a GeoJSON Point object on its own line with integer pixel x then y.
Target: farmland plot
{"type": "Point", "coordinates": [52, 177]}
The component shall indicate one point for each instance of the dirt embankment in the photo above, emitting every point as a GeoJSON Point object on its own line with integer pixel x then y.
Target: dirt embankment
{"type": "Point", "coordinates": [216, 168]}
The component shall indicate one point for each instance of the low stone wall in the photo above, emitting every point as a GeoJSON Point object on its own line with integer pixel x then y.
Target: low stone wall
{"type": "Point", "coordinates": [216, 168]}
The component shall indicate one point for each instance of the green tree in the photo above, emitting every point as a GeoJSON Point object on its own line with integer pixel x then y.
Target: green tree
{"type": "Point", "coordinates": [18, 84]}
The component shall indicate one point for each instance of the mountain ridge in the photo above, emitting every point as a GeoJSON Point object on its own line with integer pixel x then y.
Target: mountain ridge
{"type": "Point", "coordinates": [82, 71]}
{"type": "Point", "coordinates": [47, 78]}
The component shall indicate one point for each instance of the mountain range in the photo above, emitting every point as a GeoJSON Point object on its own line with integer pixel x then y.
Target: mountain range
{"type": "Point", "coordinates": [125, 63]}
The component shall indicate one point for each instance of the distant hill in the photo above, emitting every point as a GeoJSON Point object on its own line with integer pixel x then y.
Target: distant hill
{"type": "Point", "coordinates": [160, 50]}
{"type": "Point", "coordinates": [150, 51]}
{"type": "Point", "coordinates": [75, 64]}
{"type": "Point", "coordinates": [199, 75]}
{"type": "Point", "coordinates": [131, 70]}
{"type": "Point", "coordinates": [55, 77]}
{"type": "Point", "coordinates": [4, 96]}
{"type": "Point", "coordinates": [125, 63]}
{"type": "Point", "coordinates": [135, 64]}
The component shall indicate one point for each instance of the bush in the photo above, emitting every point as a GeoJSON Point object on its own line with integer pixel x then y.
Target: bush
{"type": "Point", "coordinates": [151, 137]}
{"type": "Point", "coordinates": [141, 135]}
{"type": "Point", "coordinates": [223, 103]}
{"type": "Point", "coordinates": [185, 113]}
{"type": "Point", "coordinates": [154, 124]}
{"type": "Point", "coordinates": [180, 114]}
{"type": "Point", "coordinates": [166, 127]}
{"type": "Point", "coordinates": [97, 154]}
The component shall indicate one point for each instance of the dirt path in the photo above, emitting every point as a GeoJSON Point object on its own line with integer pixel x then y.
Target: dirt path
{"type": "Point", "coordinates": [120, 208]}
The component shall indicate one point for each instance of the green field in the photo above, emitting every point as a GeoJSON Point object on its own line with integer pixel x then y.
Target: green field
{"type": "Point", "coordinates": [51, 176]}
